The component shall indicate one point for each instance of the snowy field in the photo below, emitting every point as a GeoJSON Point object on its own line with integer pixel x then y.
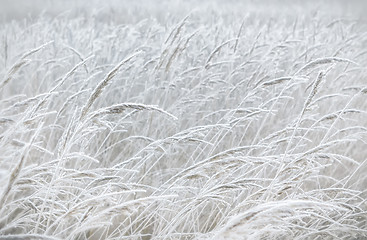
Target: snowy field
{"type": "Point", "coordinates": [183, 120]}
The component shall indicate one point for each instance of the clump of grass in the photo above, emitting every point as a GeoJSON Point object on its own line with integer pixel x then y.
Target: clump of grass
{"type": "Point", "coordinates": [238, 128]}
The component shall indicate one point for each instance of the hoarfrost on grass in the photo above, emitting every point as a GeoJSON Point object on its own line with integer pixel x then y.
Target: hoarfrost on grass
{"type": "Point", "coordinates": [218, 123]}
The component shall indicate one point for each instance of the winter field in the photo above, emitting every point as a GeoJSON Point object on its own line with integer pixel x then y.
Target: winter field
{"type": "Point", "coordinates": [183, 120]}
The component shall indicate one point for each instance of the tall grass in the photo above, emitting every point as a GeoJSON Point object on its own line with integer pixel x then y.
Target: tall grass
{"type": "Point", "coordinates": [209, 126]}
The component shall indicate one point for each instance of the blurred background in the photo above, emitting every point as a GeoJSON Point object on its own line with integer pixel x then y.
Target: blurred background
{"type": "Point", "coordinates": [130, 11]}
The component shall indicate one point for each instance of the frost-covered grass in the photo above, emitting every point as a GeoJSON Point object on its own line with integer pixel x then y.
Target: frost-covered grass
{"type": "Point", "coordinates": [218, 125]}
